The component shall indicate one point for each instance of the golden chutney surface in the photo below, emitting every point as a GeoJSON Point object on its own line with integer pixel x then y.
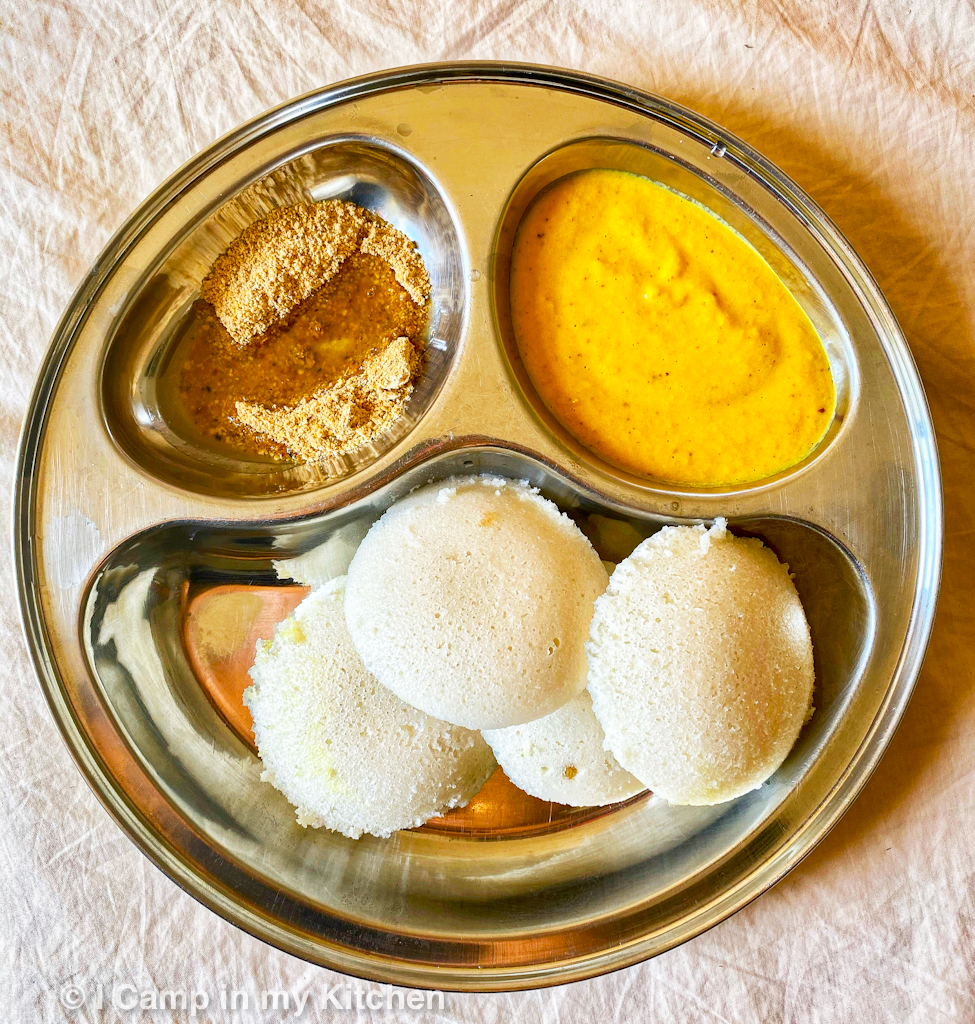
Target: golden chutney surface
{"type": "Point", "coordinates": [660, 338]}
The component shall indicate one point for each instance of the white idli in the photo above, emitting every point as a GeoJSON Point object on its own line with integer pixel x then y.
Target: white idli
{"type": "Point", "coordinates": [561, 758]}
{"type": "Point", "coordinates": [700, 664]}
{"type": "Point", "coordinates": [471, 600]}
{"type": "Point", "coordinates": [345, 751]}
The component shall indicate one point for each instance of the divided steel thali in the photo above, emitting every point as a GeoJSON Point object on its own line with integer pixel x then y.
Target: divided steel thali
{"type": "Point", "coordinates": [145, 561]}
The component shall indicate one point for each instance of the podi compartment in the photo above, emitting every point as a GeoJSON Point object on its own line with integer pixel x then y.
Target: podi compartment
{"type": "Point", "coordinates": [680, 176]}
{"type": "Point", "coordinates": [139, 375]}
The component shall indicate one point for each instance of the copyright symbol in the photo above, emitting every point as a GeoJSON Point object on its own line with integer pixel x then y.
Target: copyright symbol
{"type": "Point", "coordinates": [72, 996]}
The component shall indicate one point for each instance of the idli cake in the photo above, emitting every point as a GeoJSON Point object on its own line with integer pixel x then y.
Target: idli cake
{"type": "Point", "coordinates": [562, 758]}
{"type": "Point", "coordinates": [700, 664]}
{"type": "Point", "coordinates": [471, 600]}
{"type": "Point", "coordinates": [350, 755]}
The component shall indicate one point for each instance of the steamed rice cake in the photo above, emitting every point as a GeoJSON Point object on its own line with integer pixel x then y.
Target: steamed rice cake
{"type": "Point", "coordinates": [561, 758]}
{"type": "Point", "coordinates": [471, 599]}
{"type": "Point", "coordinates": [700, 664]}
{"type": "Point", "coordinates": [350, 755]}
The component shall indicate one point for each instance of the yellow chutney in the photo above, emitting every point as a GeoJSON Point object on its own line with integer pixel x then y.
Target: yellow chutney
{"type": "Point", "coordinates": [660, 338]}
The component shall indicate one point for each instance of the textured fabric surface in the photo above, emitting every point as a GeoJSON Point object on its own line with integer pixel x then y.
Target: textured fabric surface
{"type": "Point", "coordinates": [870, 106]}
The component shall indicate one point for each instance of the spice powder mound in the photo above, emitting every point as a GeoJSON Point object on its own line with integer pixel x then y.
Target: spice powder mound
{"type": "Point", "coordinates": [347, 414]}
{"type": "Point", "coordinates": [333, 370]}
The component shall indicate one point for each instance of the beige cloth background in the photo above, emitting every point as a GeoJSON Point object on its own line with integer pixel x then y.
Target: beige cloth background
{"type": "Point", "coordinates": [870, 106]}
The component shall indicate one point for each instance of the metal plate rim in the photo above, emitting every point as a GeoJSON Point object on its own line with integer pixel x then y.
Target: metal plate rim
{"type": "Point", "coordinates": [820, 820]}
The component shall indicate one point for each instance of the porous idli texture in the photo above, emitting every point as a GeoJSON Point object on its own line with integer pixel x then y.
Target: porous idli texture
{"type": "Point", "coordinates": [561, 757]}
{"type": "Point", "coordinates": [700, 664]}
{"type": "Point", "coordinates": [350, 755]}
{"type": "Point", "coordinates": [471, 600]}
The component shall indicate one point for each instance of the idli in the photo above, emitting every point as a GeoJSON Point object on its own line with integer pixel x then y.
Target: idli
{"type": "Point", "coordinates": [561, 758]}
{"type": "Point", "coordinates": [471, 599]}
{"type": "Point", "coordinates": [700, 664]}
{"type": "Point", "coordinates": [350, 755]}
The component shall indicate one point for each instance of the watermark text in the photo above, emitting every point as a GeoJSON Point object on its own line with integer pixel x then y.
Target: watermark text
{"type": "Point", "coordinates": [345, 996]}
